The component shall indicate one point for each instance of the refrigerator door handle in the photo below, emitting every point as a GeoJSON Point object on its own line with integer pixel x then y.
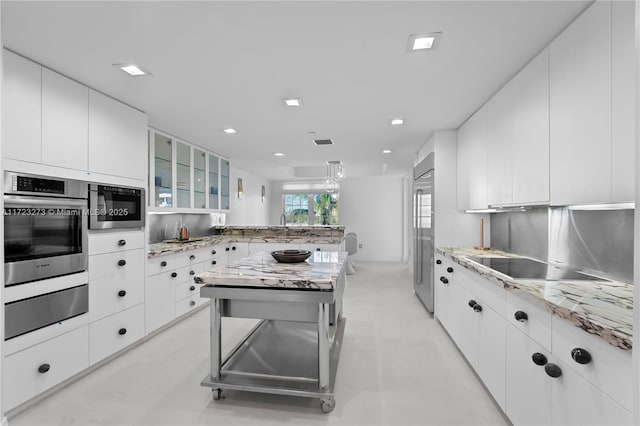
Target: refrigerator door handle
{"type": "Point", "coordinates": [418, 235]}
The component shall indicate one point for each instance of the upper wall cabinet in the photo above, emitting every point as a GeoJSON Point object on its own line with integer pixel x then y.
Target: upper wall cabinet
{"type": "Point", "coordinates": [518, 138]}
{"type": "Point", "coordinates": [117, 138]}
{"type": "Point", "coordinates": [185, 176]}
{"type": "Point", "coordinates": [21, 109]}
{"type": "Point", "coordinates": [591, 119]}
{"type": "Point", "coordinates": [472, 162]}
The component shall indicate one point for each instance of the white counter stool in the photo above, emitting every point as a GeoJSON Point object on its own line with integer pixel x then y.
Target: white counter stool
{"type": "Point", "coordinates": [351, 245]}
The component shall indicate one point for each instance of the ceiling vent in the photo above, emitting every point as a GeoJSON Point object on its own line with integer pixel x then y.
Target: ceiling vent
{"type": "Point", "coordinates": [323, 142]}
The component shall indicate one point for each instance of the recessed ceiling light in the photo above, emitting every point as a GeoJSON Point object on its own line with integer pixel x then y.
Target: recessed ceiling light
{"type": "Point", "coordinates": [132, 69]}
{"type": "Point", "coordinates": [279, 154]}
{"type": "Point", "coordinates": [386, 151]}
{"type": "Point", "coordinates": [323, 141]}
{"type": "Point", "coordinates": [421, 41]}
{"type": "Point", "coordinates": [229, 130]}
{"type": "Point", "coordinates": [293, 102]}
{"type": "Point", "coordinates": [397, 121]}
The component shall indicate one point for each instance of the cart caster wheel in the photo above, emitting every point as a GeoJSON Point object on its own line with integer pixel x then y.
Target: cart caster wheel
{"type": "Point", "coordinates": [217, 394]}
{"type": "Point", "coordinates": [327, 405]}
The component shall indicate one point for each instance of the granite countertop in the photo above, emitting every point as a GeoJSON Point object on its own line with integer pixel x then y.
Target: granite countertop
{"type": "Point", "coordinates": [320, 272]}
{"type": "Point", "coordinates": [600, 307]}
{"type": "Point", "coordinates": [167, 248]}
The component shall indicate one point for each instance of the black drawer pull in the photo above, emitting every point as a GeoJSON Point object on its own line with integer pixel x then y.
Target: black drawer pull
{"type": "Point", "coordinates": [192, 303]}
{"type": "Point", "coordinates": [472, 303]}
{"type": "Point", "coordinates": [192, 272]}
{"type": "Point", "coordinates": [444, 280]}
{"type": "Point", "coordinates": [213, 252]}
{"type": "Point", "coordinates": [213, 262]}
{"type": "Point", "coordinates": [449, 269]}
{"type": "Point", "coordinates": [227, 249]}
{"type": "Point", "coordinates": [44, 368]}
{"type": "Point", "coordinates": [477, 307]}
{"type": "Point", "coordinates": [521, 316]}
{"type": "Point", "coordinates": [122, 331]}
{"type": "Point", "coordinates": [438, 262]}
{"type": "Point", "coordinates": [553, 370]}
{"type": "Point", "coordinates": [192, 257]}
{"type": "Point", "coordinates": [121, 243]}
{"type": "Point", "coordinates": [122, 293]}
{"type": "Point", "coordinates": [581, 356]}
{"type": "Point", "coordinates": [122, 262]}
{"type": "Point", "coordinates": [163, 263]}
{"type": "Point", "coordinates": [233, 248]}
{"type": "Point", "coordinates": [539, 359]}
{"type": "Point", "coordinates": [193, 287]}
{"type": "Point", "coordinates": [174, 274]}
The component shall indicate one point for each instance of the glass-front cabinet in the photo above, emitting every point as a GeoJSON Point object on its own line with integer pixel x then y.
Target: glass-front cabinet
{"type": "Point", "coordinates": [185, 176]}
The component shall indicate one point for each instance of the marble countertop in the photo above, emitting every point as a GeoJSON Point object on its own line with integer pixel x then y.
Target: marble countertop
{"type": "Point", "coordinates": [320, 272]}
{"type": "Point", "coordinates": [600, 307]}
{"type": "Point", "coordinates": [167, 248]}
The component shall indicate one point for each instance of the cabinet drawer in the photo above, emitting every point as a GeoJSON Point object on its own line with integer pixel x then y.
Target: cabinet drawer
{"type": "Point", "coordinates": [116, 332]}
{"type": "Point", "coordinates": [491, 293]}
{"type": "Point", "coordinates": [65, 356]}
{"type": "Point", "coordinates": [117, 265]}
{"type": "Point", "coordinates": [108, 295]}
{"type": "Point", "coordinates": [536, 325]}
{"type": "Point", "coordinates": [189, 303]}
{"type": "Point", "coordinates": [319, 247]}
{"type": "Point", "coordinates": [187, 289]}
{"type": "Point", "coordinates": [158, 265]}
{"type": "Point", "coordinates": [609, 369]}
{"type": "Point", "coordinates": [109, 242]}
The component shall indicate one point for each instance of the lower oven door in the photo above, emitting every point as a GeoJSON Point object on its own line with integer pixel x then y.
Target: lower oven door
{"type": "Point", "coordinates": [23, 316]}
{"type": "Point", "coordinates": [43, 237]}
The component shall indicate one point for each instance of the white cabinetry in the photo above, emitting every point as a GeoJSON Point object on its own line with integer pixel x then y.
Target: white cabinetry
{"type": "Point", "coordinates": [34, 370]}
{"type": "Point", "coordinates": [117, 138]}
{"type": "Point", "coordinates": [518, 138]}
{"type": "Point", "coordinates": [580, 109]}
{"type": "Point", "coordinates": [21, 109]}
{"type": "Point", "coordinates": [65, 121]}
{"type": "Point", "coordinates": [472, 162]}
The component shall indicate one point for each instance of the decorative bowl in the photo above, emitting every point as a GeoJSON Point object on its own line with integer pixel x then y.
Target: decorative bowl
{"type": "Point", "coordinates": [291, 256]}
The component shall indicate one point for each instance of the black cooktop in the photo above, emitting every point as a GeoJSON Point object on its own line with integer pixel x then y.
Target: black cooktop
{"type": "Point", "coordinates": [531, 269]}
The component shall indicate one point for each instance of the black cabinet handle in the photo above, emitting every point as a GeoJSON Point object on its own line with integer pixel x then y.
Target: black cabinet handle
{"type": "Point", "coordinates": [121, 243]}
{"type": "Point", "coordinates": [192, 303]}
{"type": "Point", "coordinates": [444, 280]}
{"type": "Point", "coordinates": [521, 316]}
{"type": "Point", "coordinates": [213, 252]}
{"type": "Point", "coordinates": [226, 249]}
{"type": "Point", "coordinates": [477, 307]}
{"type": "Point", "coordinates": [122, 262]}
{"type": "Point", "coordinates": [581, 356]}
{"type": "Point", "coordinates": [318, 249]}
{"type": "Point", "coordinates": [539, 359]}
{"type": "Point", "coordinates": [122, 331]}
{"type": "Point", "coordinates": [193, 287]}
{"type": "Point", "coordinates": [192, 257]}
{"type": "Point", "coordinates": [449, 269]}
{"type": "Point", "coordinates": [163, 263]}
{"type": "Point", "coordinates": [438, 262]}
{"type": "Point", "coordinates": [472, 303]}
{"type": "Point", "coordinates": [192, 273]}
{"type": "Point", "coordinates": [44, 368]}
{"type": "Point", "coordinates": [233, 248]}
{"type": "Point", "coordinates": [213, 262]}
{"type": "Point", "coordinates": [553, 370]}
{"type": "Point", "coordinates": [122, 293]}
{"type": "Point", "coordinates": [174, 274]}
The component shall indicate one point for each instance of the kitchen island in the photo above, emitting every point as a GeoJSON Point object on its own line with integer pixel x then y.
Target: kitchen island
{"type": "Point", "coordinates": [294, 350]}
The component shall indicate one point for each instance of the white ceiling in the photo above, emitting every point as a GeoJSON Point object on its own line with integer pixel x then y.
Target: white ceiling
{"type": "Point", "coordinates": [229, 64]}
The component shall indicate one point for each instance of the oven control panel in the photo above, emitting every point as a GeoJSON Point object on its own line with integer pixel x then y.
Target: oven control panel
{"type": "Point", "coordinates": [38, 185]}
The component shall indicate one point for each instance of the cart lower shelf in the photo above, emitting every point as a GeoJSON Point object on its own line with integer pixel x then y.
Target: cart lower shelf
{"type": "Point", "coordinates": [280, 357]}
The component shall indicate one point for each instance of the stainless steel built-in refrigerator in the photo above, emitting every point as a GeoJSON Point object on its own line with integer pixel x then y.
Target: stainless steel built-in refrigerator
{"type": "Point", "coordinates": [423, 231]}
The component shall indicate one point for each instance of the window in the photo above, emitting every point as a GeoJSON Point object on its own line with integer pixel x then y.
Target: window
{"type": "Point", "coordinates": [310, 209]}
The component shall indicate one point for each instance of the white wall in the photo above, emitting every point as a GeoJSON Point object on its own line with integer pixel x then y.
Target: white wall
{"type": "Point", "coordinates": [249, 209]}
{"type": "Point", "coordinates": [373, 208]}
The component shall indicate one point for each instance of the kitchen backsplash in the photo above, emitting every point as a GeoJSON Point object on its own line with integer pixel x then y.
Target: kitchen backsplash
{"type": "Point", "coordinates": [164, 226]}
{"type": "Point", "coordinates": [597, 241]}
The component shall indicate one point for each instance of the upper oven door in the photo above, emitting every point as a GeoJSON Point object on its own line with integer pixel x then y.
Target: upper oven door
{"type": "Point", "coordinates": [43, 237]}
{"type": "Point", "coordinates": [116, 207]}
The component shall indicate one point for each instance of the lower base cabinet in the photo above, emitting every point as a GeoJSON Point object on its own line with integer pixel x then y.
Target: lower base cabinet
{"type": "Point", "coordinates": [113, 333]}
{"type": "Point", "coordinates": [32, 371]}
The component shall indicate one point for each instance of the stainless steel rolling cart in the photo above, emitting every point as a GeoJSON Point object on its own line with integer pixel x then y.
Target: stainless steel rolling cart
{"type": "Point", "coordinates": [294, 349]}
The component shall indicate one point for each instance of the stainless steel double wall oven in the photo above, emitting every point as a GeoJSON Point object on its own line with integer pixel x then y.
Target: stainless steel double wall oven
{"type": "Point", "coordinates": [45, 236]}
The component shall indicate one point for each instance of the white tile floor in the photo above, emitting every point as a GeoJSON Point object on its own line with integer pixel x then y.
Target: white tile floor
{"type": "Point", "coordinates": [397, 367]}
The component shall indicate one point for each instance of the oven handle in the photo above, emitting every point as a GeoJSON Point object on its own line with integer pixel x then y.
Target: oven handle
{"type": "Point", "coordinates": [25, 200]}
